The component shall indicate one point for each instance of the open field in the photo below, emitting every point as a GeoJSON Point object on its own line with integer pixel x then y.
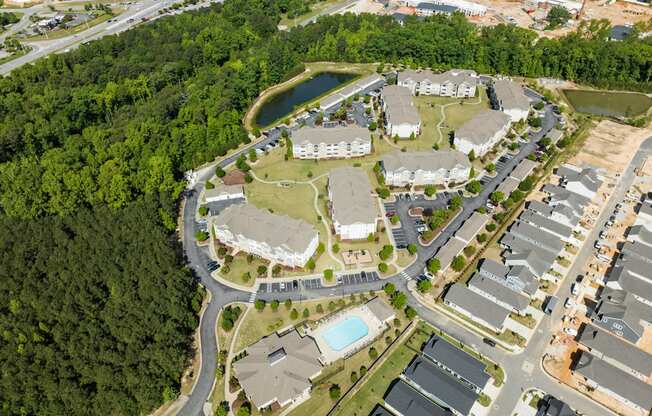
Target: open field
{"type": "Point", "coordinates": [610, 146]}
{"type": "Point", "coordinates": [273, 167]}
{"type": "Point", "coordinates": [259, 324]}
{"type": "Point", "coordinates": [456, 111]}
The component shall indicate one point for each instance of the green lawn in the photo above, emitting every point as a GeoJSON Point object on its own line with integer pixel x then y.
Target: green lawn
{"type": "Point", "coordinates": [320, 402]}
{"type": "Point", "coordinates": [273, 167]}
{"type": "Point", "coordinates": [239, 266]}
{"type": "Point", "coordinates": [372, 391]}
{"type": "Point", "coordinates": [259, 324]}
{"type": "Point", "coordinates": [457, 112]}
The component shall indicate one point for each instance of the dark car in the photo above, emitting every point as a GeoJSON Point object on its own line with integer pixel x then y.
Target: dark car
{"type": "Point", "coordinates": [489, 342]}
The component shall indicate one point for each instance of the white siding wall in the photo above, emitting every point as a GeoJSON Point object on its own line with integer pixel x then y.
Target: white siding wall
{"type": "Point", "coordinates": [330, 151]}
{"type": "Point", "coordinates": [262, 249]}
{"type": "Point", "coordinates": [356, 231]}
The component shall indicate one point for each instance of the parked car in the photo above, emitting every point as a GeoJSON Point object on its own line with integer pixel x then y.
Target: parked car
{"type": "Point", "coordinates": [575, 289]}
{"type": "Point", "coordinates": [569, 303]}
{"type": "Point", "coordinates": [489, 342]}
{"type": "Point", "coordinates": [390, 214]}
{"type": "Point", "coordinates": [570, 331]}
{"type": "Point", "coordinates": [603, 234]}
{"type": "Point", "coordinates": [597, 245]}
{"type": "Point", "coordinates": [281, 285]}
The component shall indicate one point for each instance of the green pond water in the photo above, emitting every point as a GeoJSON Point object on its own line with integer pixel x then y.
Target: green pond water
{"type": "Point", "coordinates": [606, 103]}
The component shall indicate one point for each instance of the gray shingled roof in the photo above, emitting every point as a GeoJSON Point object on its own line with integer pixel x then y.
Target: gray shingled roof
{"type": "Point", "coordinates": [457, 360]}
{"type": "Point", "coordinates": [456, 76]}
{"type": "Point", "coordinates": [642, 233]}
{"type": "Point", "coordinates": [477, 305]}
{"type": "Point", "coordinates": [525, 277]}
{"type": "Point", "coordinates": [426, 161]}
{"type": "Point", "coordinates": [614, 379]}
{"type": "Point", "coordinates": [618, 304]}
{"type": "Point", "coordinates": [222, 190]}
{"type": "Point", "coordinates": [508, 185]}
{"type": "Point", "coordinates": [540, 261]}
{"type": "Point", "coordinates": [540, 207]}
{"type": "Point", "coordinates": [501, 292]}
{"type": "Point", "coordinates": [645, 208]}
{"type": "Point", "coordinates": [587, 176]}
{"type": "Point", "coordinates": [602, 342]}
{"type": "Point", "coordinates": [409, 402]}
{"type": "Point", "coordinates": [352, 201]}
{"type": "Point", "coordinates": [545, 240]}
{"type": "Point", "coordinates": [400, 108]}
{"type": "Point", "coordinates": [637, 250]}
{"type": "Point", "coordinates": [523, 169]}
{"type": "Point", "coordinates": [440, 385]}
{"type": "Point", "coordinates": [510, 94]}
{"type": "Point", "coordinates": [483, 126]}
{"type": "Point", "coordinates": [278, 367]}
{"type": "Point", "coordinates": [472, 226]}
{"type": "Point", "coordinates": [629, 281]}
{"type": "Point", "coordinates": [493, 267]}
{"type": "Point", "coordinates": [263, 226]}
{"type": "Point", "coordinates": [448, 251]}
{"type": "Point", "coordinates": [317, 135]}
{"type": "Point", "coordinates": [380, 309]}
{"type": "Point", "coordinates": [539, 221]}
{"type": "Point", "coordinates": [380, 411]}
{"type": "Point", "coordinates": [441, 8]}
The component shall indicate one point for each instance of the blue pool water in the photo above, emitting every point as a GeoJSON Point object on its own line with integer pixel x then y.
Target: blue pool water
{"type": "Point", "coordinates": [345, 333]}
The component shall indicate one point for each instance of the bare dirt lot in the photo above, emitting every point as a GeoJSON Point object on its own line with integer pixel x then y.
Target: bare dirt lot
{"type": "Point", "coordinates": [619, 13]}
{"type": "Point", "coordinates": [611, 146]}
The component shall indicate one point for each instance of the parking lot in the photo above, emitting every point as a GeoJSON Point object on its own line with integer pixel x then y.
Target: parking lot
{"type": "Point", "coordinates": [500, 164]}
{"type": "Point", "coordinates": [358, 278]}
{"type": "Point", "coordinates": [293, 286]}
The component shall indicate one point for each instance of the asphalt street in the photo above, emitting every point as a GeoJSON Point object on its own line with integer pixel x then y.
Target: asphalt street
{"type": "Point", "coordinates": [221, 295]}
{"type": "Point", "coordinates": [148, 9]}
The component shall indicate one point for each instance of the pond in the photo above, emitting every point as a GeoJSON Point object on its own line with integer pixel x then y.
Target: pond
{"type": "Point", "coordinates": [606, 103]}
{"type": "Point", "coordinates": [286, 101]}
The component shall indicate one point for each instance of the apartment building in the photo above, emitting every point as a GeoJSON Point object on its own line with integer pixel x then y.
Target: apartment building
{"type": "Point", "coordinates": [277, 238]}
{"type": "Point", "coordinates": [331, 143]}
{"type": "Point", "coordinates": [453, 83]}
{"type": "Point", "coordinates": [353, 208]}
{"type": "Point", "coordinates": [425, 168]}
{"type": "Point", "coordinates": [508, 97]}
{"type": "Point", "coordinates": [482, 132]}
{"type": "Point", "coordinates": [401, 116]}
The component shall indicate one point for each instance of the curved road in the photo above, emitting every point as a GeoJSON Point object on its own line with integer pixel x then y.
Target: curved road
{"type": "Point", "coordinates": [523, 370]}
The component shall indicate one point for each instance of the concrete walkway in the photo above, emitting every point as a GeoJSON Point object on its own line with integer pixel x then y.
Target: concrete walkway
{"type": "Point", "coordinates": [228, 396]}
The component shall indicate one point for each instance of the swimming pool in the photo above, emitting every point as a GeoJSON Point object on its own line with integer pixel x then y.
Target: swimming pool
{"type": "Point", "coordinates": [345, 333]}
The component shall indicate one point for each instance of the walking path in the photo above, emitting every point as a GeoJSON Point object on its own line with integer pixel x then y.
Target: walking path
{"type": "Point", "coordinates": [329, 234]}
{"type": "Point", "coordinates": [228, 396]}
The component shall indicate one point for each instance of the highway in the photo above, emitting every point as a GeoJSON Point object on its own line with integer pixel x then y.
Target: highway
{"type": "Point", "coordinates": [133, 16]}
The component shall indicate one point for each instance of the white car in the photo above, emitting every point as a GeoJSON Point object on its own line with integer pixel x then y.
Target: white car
{"type": "Point", "coordinates": [575, 289]}
{"type": "Point", "coordinates": [569, 303]}
{"type": "Point", "coordinates": [570, 331]}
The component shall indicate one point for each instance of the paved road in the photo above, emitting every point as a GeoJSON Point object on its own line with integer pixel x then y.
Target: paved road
{"type": "Point", "coordinates": [146, 9]}
{"type": "Point", "coordinates": [222, 295]}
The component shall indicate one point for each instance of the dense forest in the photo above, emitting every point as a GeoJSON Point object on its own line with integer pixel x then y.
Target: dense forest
{"type": "Point", "coordinates": [96, 308]}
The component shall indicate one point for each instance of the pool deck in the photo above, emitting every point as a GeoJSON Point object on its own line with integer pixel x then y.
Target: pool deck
{"type": "Point", "coordinates": [374, 325]}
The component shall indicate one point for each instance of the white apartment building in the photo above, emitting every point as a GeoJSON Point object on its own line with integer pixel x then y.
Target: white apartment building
{"type": "Point", "coordinates": [454, 83]}
{"type": "Point", "coordinates": [329, 143]}
{"type": "Point", "coordinates": [224, 192]}
{"type": "Point", "coordinates": [468, 8]}
{"type": "Point", "coordinates": [277, 238]}
{"type": "Point", "coordinates": [508, 97]}
{"type": "Point", "coordinates": [353, 208]}
{"type": "Point", "coordinates": [482, 132]}
{"type": "Point", "coordinates": [425, 168]}
{"type": "Point", "coordinates": [401, 116]}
